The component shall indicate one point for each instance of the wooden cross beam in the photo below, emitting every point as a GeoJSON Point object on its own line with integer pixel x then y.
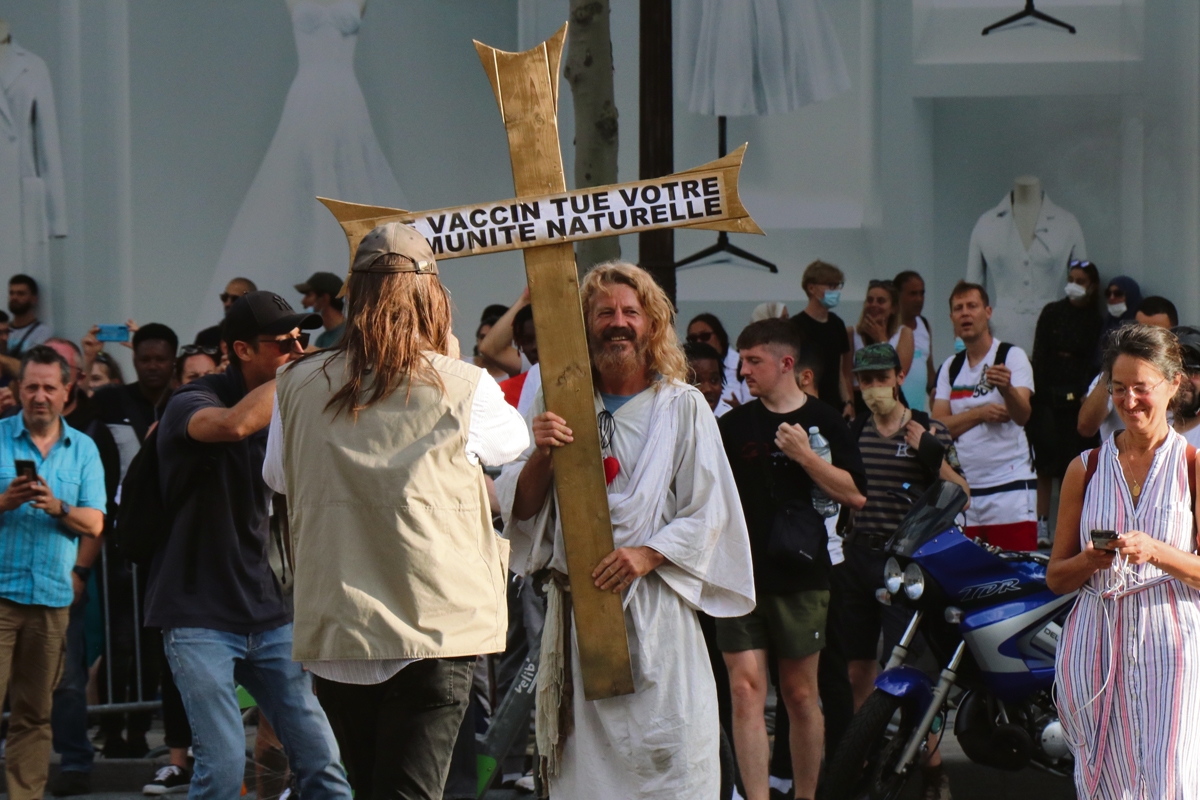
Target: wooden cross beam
{"type": "Point", "coordinates": [543, 220]}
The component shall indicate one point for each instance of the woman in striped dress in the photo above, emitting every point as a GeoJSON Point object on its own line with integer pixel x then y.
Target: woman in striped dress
{"type": "Point", "coordinates": [1128, 671]}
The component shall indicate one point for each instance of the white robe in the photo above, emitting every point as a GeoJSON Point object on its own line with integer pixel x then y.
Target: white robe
{"type": "Point", "coordinates": [674, 492]}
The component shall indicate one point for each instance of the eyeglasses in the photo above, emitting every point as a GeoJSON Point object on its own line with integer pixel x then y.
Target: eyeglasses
{"type": "Point", "coordinates": [226, 297]}
{"type": "Point", "coordinates": [195, 350]}
{"type": "Point", "coordinates": [288, 346]}
{"type": "Point", "coordinates": [1140, 391]}
{"type": "Point", "coordinates": [1113, 291]}
{"type": "Point", "coordinates": [703, 337]}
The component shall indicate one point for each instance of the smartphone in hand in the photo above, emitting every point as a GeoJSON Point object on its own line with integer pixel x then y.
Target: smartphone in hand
{"type": "Point", "coordinates": [1105, 540]}
{"type": "Point", "coordinates": [112, 333]}
{"type": "Point", "coordinates": [26, 469]}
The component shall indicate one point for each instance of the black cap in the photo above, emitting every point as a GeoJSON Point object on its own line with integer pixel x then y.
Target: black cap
{"type": "Point", "coordinates": [1189, 345]}
{"type": "Point", "coordinates": [257, 314]}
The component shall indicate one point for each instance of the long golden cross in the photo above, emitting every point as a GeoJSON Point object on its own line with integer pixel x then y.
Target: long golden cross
{"type": "Point", "coordinates": [542, 220]}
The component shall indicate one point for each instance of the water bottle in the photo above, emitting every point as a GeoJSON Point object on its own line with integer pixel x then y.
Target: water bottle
{"type": "Point", "coordinates": [821, 501]}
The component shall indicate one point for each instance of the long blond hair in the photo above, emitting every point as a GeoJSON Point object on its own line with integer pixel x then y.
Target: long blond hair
{"type": "Point", "coordinates": [664, 355]}
{"type": "Point", "coordinates": [391, 319]}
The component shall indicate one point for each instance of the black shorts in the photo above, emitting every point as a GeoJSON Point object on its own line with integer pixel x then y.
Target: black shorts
{"type": "Point", "coordinates": [860, 618]}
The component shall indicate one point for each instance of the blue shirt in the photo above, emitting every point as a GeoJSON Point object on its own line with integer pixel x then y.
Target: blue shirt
{"type": "Point", "coordinates": [37, 551]}
{"type": "Point", "coordinates": [613, 402]}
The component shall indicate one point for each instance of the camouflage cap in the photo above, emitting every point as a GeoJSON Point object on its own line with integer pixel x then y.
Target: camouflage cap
{"type": "Point", "coordinates": [875, 357]}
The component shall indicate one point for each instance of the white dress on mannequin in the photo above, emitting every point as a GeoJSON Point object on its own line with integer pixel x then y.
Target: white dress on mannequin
{"type": "Point", "coordinates": [1020, 282]}
{"type": "Point", "coordinates": [324, 145]}
{"type": "Point", "coordinates": [32, 196]}
{"type": "Point", "coordinates": [757, 56]}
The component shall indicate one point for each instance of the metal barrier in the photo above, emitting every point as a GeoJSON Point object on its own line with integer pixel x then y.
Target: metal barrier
{"type": "Point", "coordinates": [141, 704]}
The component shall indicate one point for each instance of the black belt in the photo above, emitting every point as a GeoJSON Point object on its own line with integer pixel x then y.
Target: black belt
{"type": "Point", "coordinates": [1015, 486]}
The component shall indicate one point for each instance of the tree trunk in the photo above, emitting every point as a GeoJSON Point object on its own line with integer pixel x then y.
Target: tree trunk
{"type": "Point", "coordinates": [589, 72]}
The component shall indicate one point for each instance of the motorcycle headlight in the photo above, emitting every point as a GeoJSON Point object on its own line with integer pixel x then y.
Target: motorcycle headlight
{"type": "Point", "coordinates": [893, 576]}
{"type": "Point", "coordinates": [914, 582]}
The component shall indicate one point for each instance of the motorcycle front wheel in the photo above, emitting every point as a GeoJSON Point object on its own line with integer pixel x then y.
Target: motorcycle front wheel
{"type": "Point", "coordinates": [865, 761]}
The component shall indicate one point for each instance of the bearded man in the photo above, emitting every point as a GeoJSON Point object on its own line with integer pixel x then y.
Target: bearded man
{"type": "Point", "coordinates": [681, 546]}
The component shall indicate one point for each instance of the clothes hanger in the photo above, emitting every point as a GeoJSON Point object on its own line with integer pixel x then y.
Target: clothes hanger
{"type": "Point", "coordinates": [723, 245]}
{"type": "Point", "coordinates": [1028, 11]}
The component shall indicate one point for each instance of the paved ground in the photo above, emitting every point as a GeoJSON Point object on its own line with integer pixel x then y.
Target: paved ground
{"type": "Point", "coordinates": [968, 781]}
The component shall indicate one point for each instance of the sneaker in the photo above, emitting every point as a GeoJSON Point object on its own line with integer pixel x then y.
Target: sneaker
{"type": "Point", "coordinates": [938, 788]}
{"type": "Point", "coordinates": [525, 784]}
{"type": "Point", "coordinates": [71, 783]}
{"type": "Point", "coordinates": [169, 780]}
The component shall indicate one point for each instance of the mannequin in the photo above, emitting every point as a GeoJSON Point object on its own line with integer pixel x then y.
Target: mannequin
{"type": "Point", "coordinates": [1019, 250]}
{"type": "Point", "coordinates": [1027, 205]}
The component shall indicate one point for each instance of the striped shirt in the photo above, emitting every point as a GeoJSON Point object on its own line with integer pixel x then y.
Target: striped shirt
{"type": "Point", "coordinates": [890, 464]}
{"type": "Point", "coordinates": [1127, 676]}
{"type": "Point", "coordinates": [37, 551]}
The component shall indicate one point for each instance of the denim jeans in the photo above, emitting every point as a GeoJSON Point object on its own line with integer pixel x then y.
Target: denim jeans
{"type": "Point", "coordinates": [207, 664]}
{"type": "Point", "coordinates": [69, 718]}
{"type": "Point", "coordinates": [398, 736]}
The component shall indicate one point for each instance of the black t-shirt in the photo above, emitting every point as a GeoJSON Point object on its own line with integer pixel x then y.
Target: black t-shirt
{"type": "Point", "coordinates": [830, 341]}
{"type": "Point", "coordinates": [748, 433]}
{"type": "Point", "coordinates": [222, 529]}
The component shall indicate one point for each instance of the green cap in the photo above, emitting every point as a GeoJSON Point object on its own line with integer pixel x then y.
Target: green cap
{"type": "Point", "coordinates": [875, 357]}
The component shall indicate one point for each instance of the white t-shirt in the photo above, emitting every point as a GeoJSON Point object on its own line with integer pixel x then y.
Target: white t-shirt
{"type": "Point", "coordinates": [915, 380]}
{"type": "Point", "coordinates": [734, 388]}
{"type": "Point", "coordinates": [991, 453]}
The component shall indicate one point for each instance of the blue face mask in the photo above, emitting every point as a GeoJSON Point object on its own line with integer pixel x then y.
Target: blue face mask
{"type": "Point", "coordinates": [959, 344]}
{"type": "Point", "coordinates": [832, 298]}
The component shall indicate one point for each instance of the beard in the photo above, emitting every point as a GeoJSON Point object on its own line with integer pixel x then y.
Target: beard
{"type": "Point", "coordinates": [19, 308]}
{"type": "Point", "coordinates": [617, 360]}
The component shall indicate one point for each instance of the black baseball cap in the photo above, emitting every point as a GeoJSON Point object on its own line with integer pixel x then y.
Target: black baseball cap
{"type": "Point", "coordinates": [257, 314]}
{"type": "Point", "coordinates": [1189, 346]}
{"type": "Point", "coordinates": [321, 283]}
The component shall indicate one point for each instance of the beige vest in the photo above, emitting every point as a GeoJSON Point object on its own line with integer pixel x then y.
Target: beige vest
{"type": "Point", "coordinates": [395, 555]}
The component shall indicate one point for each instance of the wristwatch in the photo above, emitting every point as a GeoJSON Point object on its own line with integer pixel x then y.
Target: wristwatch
{"type": "Point", "coordinates": [83, 572]}
{"type": "Point", "coordinates": [66, 509]}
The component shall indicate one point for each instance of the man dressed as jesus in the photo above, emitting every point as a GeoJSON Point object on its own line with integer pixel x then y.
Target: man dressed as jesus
{"type": "Point", "coordinates": [681, 546]}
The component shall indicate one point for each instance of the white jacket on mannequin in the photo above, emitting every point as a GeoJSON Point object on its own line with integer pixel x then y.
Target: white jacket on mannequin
{"type": "Point", "coordinates": [32, 196]}
{"type": "Point", "coordinates": [1019, 281]}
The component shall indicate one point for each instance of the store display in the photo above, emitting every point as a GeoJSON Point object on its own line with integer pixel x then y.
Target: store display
{"type": "Point", "coordinates": [324, 145]}
{"type": "Point", "coordinates": [1019, 250]}
{"type": "Point", "coordinates": [757, 57]}
{"type": "Point", "coordinates": [32, 197]}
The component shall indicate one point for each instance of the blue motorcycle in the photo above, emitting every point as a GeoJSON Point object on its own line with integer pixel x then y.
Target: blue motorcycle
{"type": "Point", "coordinates": [987, 615]}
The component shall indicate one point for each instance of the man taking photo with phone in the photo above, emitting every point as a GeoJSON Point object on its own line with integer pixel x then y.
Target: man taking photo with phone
{"type": "Point", "coordinates": [43, 513]}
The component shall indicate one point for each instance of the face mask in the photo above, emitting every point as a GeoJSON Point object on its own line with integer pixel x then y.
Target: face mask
{"type": "Point", "coordinates": [959, 344]}
{"type": "Point", "coordinates": [832, 298]}
{"type": "Point", "coordinates": [1117, 309]}
{"type": "Point", "coordinates": [880, 399]}
{"type": "Point", "coordinates": [1075, 291]}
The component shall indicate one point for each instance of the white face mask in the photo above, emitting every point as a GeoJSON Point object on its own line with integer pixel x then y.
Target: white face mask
{"type": "Point", "coordinates": [880, 399]}
{"type": "Point", "coordinates": [1075, 291]}
{"type": "Point", "coordinates": [1117, 309]}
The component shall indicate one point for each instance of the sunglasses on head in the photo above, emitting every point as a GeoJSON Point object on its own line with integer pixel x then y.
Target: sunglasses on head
{"type": "Point", "coordinates": [877, 284]}
{"type": "Point", "coordinates": [1076, 264]}
{"type": "Point", "coordinates": [288, 345]}
{"type": "Point", "coordinates": [195, 350]}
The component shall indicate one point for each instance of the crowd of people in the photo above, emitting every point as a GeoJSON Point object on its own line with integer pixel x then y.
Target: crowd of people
{"type": "Point", "coordinates": [328, 524]}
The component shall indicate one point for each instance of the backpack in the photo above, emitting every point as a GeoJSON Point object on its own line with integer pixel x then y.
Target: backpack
{"type": "Point", "coordinates": [961, 358]}
{"type": "Point", "coordinates": [144, 519]}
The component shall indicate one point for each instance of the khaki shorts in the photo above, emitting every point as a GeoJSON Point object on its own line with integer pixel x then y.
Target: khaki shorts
{"type": "Point", "coordinates": [793, 625]}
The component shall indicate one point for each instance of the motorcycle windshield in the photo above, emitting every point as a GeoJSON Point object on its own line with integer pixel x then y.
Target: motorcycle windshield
{"type": "Point", "coordinates": [933, 513]}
